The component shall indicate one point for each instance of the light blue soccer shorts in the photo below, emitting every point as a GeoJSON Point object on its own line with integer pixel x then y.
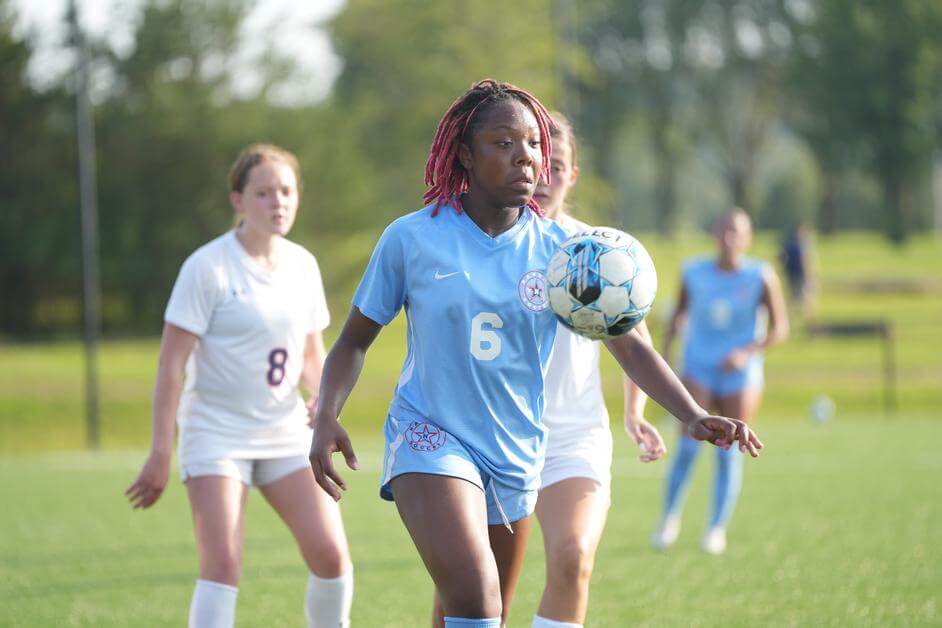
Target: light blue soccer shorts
{"type": "Point", "coordinates": [423, 447]}
{"type": "Point", "coordinates": [721, 382]}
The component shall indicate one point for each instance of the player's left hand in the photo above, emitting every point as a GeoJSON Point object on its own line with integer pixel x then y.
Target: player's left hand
{"type": "Point", "coordinates": [724, 432]}
{"type": "Point", "coordinates": [646, 437]}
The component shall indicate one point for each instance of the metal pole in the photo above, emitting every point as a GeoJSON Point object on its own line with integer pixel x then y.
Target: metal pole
{"type": "Point", "coordinates": [88, 199]}
{"type": "Point", "coordinates": [889, 370]}
{"type": "Point", "coordinates": [937, 192]}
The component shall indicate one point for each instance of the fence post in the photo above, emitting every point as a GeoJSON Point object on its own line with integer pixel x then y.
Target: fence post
{"type": "Point", "coordinates": [88, 206]}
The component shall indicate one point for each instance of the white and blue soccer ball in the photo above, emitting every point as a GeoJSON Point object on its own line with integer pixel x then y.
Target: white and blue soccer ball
{"type": "Point", "coordinates": [601, 283]}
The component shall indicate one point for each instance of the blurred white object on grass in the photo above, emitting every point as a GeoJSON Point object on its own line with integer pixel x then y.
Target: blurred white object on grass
{"type": "Point", "coordinates": [821, 409]}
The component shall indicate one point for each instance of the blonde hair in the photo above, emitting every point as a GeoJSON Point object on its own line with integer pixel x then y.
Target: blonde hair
{"type": "Point", "coordinates": [254, 154]}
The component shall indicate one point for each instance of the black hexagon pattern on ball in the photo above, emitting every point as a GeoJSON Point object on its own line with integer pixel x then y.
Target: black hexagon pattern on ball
{"type": "Point", "coordinates": [586, 286]}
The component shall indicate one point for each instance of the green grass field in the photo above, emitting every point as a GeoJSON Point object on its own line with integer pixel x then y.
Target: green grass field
{"type": "Point", "coordinates": [839, 524]}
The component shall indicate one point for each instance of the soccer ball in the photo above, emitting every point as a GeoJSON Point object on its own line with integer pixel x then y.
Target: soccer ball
{"type": "Point", "coordinates": [601, 283]}
{"type": "Point", "coordinates": [822, 409]}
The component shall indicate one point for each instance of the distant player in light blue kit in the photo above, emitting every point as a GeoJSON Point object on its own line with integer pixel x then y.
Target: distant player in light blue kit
{"type": "Point", "coordinates": [464, 440]}
{"type": "Point", "coordinates": [725, 300]}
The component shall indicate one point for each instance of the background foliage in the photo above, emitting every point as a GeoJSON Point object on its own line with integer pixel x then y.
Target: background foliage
{"type": "Point", "coordinates": [797, 110]}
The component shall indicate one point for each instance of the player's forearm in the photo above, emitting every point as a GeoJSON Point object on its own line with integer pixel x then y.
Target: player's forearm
{"type": "Point", "coordinates": [657, 379]}
{"type": "Point", "coordinates": [344, 363]}
{"type": "Point", "coordinates": [167, 390]}
{"type": "Point", "coordinates": [774, 301]}
{"type": "Point", "coordinates": [777, 334]}
{"type": "Point", "coordinates": [769, 341]}
{"type": "Point", "coordinates": [314, 356]}
{"type": "Point", "coordinates": [635, 398]}
{"type": "Point", "coordinates": [672, 329]}
{"type": "Point", "coordinates": [341, 372]}
{"type": "Point", "coordinates": [311, 376]}
{"type": "Point", "coordinates": [652, 374]}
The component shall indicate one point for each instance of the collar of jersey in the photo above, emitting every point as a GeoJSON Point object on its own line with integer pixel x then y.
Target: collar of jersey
{"type": "Point", "coordinates": [736, 272]}
{"type": "Point", "coordinates": [493, 242]}
{"type": "Point", "coordinates": [253, 267]}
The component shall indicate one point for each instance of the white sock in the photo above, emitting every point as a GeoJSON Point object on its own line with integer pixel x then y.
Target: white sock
{"type": "Point", "coordinates": [327, 601]}
{"type": "Point", "coordinates": [463, 622]}
{"type": "Point", "coordinates": [213, 605]}
{"type": "Point", "coordinates": [542, 622]}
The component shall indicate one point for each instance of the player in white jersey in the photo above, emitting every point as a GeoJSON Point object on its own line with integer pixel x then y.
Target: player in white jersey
{"type": "Point", "coordinates": [464, 440]}
{"type": "Point", "coordinates": [245, 321]}
{"type": "Point", "coordinates": [574, 493]}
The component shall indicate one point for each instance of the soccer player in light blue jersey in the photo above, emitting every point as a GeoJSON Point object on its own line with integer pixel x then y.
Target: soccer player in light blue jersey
{"type": "Point", "coordinates": [464, 438]}
{"type": "Point", "coordinates": [723, 300]}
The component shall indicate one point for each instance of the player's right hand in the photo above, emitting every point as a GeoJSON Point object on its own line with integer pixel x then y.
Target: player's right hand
{"type": "Point", "coordinates": [330, 437]}
{"type": "Point", "coordinates": [738, 359]}
{"type": "Point", "coordinates": [725, 432]}
{"type": "Point", "coordinates": [150, 482]}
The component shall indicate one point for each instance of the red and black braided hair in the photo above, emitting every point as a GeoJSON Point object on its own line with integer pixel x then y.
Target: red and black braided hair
{"type": "Point", "coordinates": [446, 177]}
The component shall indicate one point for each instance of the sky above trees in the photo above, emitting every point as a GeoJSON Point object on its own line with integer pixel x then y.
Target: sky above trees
{"type": "Point", "coordinates": [282, 27]}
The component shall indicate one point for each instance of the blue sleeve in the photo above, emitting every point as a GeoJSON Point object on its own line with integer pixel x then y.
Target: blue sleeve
{"type": "Point", "coordinates": [382, 290]}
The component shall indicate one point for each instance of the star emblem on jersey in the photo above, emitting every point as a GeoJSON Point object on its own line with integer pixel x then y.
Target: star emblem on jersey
{"type": "Point", "coordinates": [423, 436]}
{"type": "Point", "coordinates": [532, 291]}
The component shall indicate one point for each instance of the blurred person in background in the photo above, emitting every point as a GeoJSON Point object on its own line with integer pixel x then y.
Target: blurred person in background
{"type": "Point", "coordinates": [733, 309]}
{"type": "Point", "coordinates": [244, 321]}
{"type": "Point", "coordinates": [796, 257]}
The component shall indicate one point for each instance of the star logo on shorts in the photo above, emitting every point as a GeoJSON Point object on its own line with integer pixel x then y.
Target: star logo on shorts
{"type": "Point", "coordinates": [424, 436]}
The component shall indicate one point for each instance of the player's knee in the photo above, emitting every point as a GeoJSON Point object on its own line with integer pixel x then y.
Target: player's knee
{"type": "Point", "coordinates": [469, 604]}
{"type": "Point", "coordinates": [328, 561]}
{"type": "Point", "coordinates": [571, 560]}
{"type": "Point", "coordinates": [472, 594]}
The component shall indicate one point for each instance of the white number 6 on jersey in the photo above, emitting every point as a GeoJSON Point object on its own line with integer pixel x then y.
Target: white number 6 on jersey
{"type": "Point", "coordinates": [485, 343]}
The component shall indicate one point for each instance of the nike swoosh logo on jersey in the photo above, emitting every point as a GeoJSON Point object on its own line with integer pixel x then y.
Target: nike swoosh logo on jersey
{"type": "Point", "coordinates": [440, 276]}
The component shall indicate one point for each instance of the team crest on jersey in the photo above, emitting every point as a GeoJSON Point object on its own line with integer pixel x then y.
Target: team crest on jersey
{"type": "Point", "coordinates": [424, 436]}
{"type": "Point", "coordinates": [533, 292]}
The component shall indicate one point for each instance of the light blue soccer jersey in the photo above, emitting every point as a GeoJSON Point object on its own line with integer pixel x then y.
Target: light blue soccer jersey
{"type": "Point", "coordinates": [479, 331]}
{"type": "Point", "coordinates": [723, 310]}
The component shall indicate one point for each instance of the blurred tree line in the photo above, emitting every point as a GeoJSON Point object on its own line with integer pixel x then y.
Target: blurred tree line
{"type": "Point", "coordinates": [824, 111]}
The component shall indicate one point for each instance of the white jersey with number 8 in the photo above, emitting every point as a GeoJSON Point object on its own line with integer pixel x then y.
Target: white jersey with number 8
{"type": "Point", "coordinates": [241, 397]}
